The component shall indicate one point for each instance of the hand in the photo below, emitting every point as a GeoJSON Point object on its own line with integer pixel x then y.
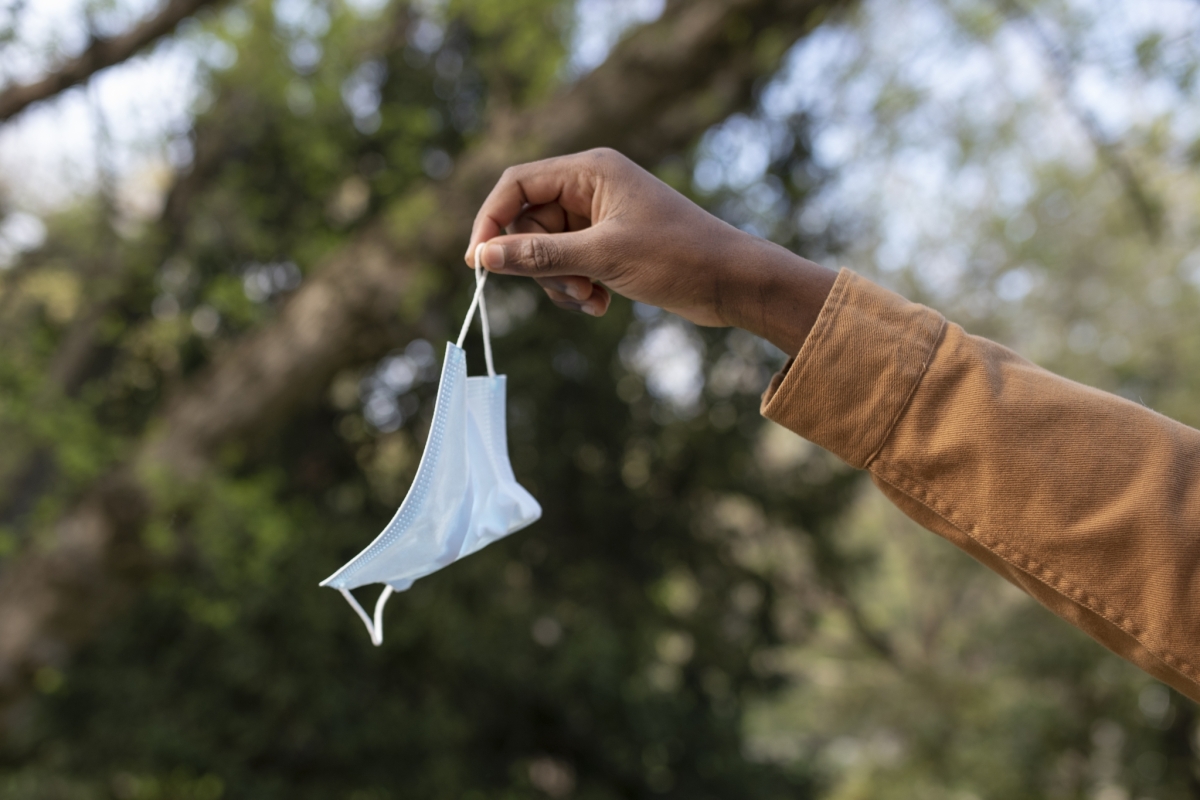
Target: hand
{"type": "Point", "coordinates": [586, 223]}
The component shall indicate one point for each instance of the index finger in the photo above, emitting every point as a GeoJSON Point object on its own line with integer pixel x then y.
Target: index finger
{"type": "Point", "coordinates": [564, 180]}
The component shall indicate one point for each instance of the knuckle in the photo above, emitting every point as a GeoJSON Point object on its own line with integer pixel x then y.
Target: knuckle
{"type": "Point", "coordinates": [599, 160]}
{"type": "Point", "coordinates": [512, 173]}
{"type": "Point", "coordinates": [608, 157]}
{"type": "Point", "coordinates": [541, 254]}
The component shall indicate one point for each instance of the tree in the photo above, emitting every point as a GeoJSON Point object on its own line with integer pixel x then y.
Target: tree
{"type": "Point", "coordinates": [100, 53]}
{"type": "Point", "coordinates": [200, 412]}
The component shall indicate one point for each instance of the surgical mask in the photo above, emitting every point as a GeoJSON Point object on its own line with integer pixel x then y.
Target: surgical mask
{"type": "Point", "coordinates": [464, 496]}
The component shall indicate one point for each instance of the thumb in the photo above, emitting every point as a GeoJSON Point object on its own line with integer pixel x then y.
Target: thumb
{"type": "Point", "coordinates": [540, 255]}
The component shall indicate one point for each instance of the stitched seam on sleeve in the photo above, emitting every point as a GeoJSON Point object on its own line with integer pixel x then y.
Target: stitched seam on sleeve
{"type": "Point", "coordinates": [937, 340]}
{"type": "Point", "coordinates": [1035, 569]}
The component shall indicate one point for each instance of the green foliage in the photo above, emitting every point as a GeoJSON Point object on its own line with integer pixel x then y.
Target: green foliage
{"type": "Point", "coordinates": [710, 606]}
{"type": "Point", "coordinates": [570, 649]}
{"type": "Point", "coordinates": [609, 651]}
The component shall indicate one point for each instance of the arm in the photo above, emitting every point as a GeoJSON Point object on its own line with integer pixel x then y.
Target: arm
{"type": "Point", "coordinates": [1086, 501]}
{"type": "Point", "coordinates": [614, 225]}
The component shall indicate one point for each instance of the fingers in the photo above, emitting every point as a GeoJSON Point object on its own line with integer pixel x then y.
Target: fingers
{"type": "Point", "coordinates": [546, 255]}
{"type": "Point", "coordinates": [567, 181]}
{"type": "Point", "coordinates": [572, 292]}
{"type": "Point", "coordinates": [539, 183]}
{"type": "Point", "coordinates": [575, 287]}
{"type": "Point", "coordinates": [538, 221]}
{"type": "Point", "coordinates": [596, 304]}
{"type": "Point", "coordinates": [549, 218]}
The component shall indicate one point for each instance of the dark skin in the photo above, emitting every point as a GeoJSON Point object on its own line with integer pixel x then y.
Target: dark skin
{"type": "Point", "coordinates": [592, 223]}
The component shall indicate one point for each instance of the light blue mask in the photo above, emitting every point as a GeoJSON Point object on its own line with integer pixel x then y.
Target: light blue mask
{"type": "Point", "coordinates": [464, 496]}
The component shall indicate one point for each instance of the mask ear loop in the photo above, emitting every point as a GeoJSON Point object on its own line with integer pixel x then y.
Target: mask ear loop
{"type": "Point", "coordinates": [376, 630]}
{"type": "Point", "coordinates": [478, 302]}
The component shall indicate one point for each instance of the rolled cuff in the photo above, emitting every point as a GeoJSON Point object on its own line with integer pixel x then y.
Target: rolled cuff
{"type": "Point", "coordinates": [856, 371]}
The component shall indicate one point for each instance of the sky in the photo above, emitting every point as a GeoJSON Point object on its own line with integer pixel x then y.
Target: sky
{"type": "Point", "coordinates": [904, 170]}
{"type": "Point", "coordinates": [120, 121]}
{"type": "Point", "coordinates": [54, 150]}
{"type": "Point", "coordinates": [900, 168]}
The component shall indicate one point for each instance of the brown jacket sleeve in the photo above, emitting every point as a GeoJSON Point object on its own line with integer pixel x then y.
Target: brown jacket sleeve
{"type": "Point", "coordinates": [1085, 500]}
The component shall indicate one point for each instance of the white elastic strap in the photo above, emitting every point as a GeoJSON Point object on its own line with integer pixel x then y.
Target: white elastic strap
{"type": "Point", "coordinates": [483, 317]}
{"type": "Point", "coordinates": [478, 302]}
{"type": "Point", "coordinates": [376, 630]}
{"type": "Point", "coordinates": [379, 604]}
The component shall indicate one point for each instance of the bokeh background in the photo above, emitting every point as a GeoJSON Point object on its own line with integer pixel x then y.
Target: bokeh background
{"type": "Point", "coordinates": [228, 264]}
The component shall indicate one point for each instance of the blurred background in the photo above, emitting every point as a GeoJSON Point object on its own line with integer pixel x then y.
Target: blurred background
{"type": "Point", "coordinates": [230, 252]}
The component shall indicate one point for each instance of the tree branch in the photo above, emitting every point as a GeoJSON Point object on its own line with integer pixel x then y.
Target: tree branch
{"type": "Point", "coordinates": [1148, 209]}
{"type": "Point", "coordinates": [658, 91]}
{"type": "Point", "coordinates": [101, 53]}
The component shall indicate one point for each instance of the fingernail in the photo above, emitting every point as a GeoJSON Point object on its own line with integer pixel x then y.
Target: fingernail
{"type": "Point", "coordinates": [493, 256]}
{"type": "Point", "coordinates": [591, 308]}
{"type": "Point", "coordinates": [570, 306]}
{"type": "Point", "coordinates": [578, 292]}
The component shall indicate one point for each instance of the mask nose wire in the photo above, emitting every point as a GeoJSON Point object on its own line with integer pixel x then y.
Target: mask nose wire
{"type": "Point", "coordinates": [478, 302]}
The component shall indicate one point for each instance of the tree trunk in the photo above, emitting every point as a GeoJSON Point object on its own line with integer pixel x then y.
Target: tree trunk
{"type": "Point", "coordinates": [659, 90]}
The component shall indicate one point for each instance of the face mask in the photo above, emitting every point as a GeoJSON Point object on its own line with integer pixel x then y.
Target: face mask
{"type": "Point", "coordinates": [464, 496]}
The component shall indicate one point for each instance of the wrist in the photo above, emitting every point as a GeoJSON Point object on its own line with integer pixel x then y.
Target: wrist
{"type": "Point", "coordinates": [773, 293]}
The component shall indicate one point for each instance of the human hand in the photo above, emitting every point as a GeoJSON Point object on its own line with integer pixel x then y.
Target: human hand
{"type": "Point", "coordinates": [586, 223]}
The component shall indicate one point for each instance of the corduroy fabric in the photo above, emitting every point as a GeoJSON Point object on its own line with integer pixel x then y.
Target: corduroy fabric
{"type": "Point", "coordinates": [1088, 502]}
